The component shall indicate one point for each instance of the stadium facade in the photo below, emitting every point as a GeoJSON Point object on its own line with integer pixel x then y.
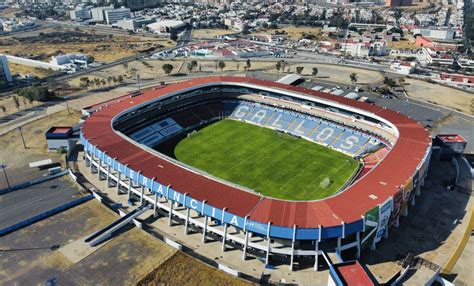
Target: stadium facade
{"type": "Point", "coordinates": [119, 138]}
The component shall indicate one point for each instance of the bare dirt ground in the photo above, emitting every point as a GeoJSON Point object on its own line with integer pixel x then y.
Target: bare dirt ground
{"type": "Point", "coordinates": [210, 33]}
{"type": "Point", "coordinates": [293, 32]}
{"type": "Point", "coordinates": [184, 270]}
{"type": "Point", "coordinates": [124, 260]}
{"type": "Point", "coordinates": [148, 69]}
{"type": "Point", "coordinates": [17, 157]}
{"type": "Point", "coordinates": [51, 42]}
{"type": "Point", "coordinates": [438, 94]}
{"type": "Point", "coordinates": [10, 107]}
{"type": "Point", "coordinates": [27, 70]}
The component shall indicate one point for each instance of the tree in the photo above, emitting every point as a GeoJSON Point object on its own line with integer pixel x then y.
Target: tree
{"type": "Point", "coordinates": [315, 71]}
{"type": "Point", "coordinates": [299, 70]}
{"type": "Point", "coordinates": [278, 65]}
{"type": "Point", "coordinates": [3, 109]}
{"type": "Point", "coordinates": [389, 82]}
{"type": "Point", "coordinates": [248, 64]}
{"type": "Point", "coordinates": [167, 68]}
{"type": "Point", "coordinates": [120, 79]}
{"type": "Point", "coordinates": [114, 79]}
{"type": "Point", "coordinates": [173, 36]}
{"type": "Point", "coordinates": [16, 102]}
{"type": "Point", "coordinates": [109, 80]}
{"type": "Point", "coordinates": [189, 66]}
{"type": "Point", "coordinates": [221, 65]}
{"type": "Point", "coordinates": [353, 76]}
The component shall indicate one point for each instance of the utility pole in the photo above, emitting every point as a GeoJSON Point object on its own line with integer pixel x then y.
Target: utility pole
{"type": "Point", "coordinates": [22, 138]}
{"type": "Point", "coordinates": [66, 98]}
{"type": "Point", "coordinates": [4, 166]}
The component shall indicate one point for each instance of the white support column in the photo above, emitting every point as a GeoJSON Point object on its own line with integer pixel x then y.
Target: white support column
{"type": "Point", "coordinates": [267, 257]}
{"type": "Point", "coordinates": [293, 247]}
{"type": "Point", "coordinates": [206, 219]}
{"type": "Point", "coordinates": [99, 165]}
{"type": "Point", "coordinates": [91, 159]}
{"type": "Point", "coordinates": [224, 237]}
{"type": "Point", "coordinates": [358, 244]}
{"type": "Point", "coordinates": [338, 248]}
{"type": "Point", "coordinates": [385, 234]}
{"type": "Point", "coordinates": [244, 255]}
{"type": "Point", "coordinates": [155, 206]}
{"type": "Point", "coordinates": [186, 224]}
{"type": "Point", "coordinates": [413, 201]}
{"type": "Point", "coordinates": [397, 221]}
{"type": "Point", "coordinates": [405, 210]}
{"type": "Point", "coordinates": [316, 248]}
{"type": "Point", "coordinates": [142, 194]}
{"type": "Point", "coordinates": [119, 175]}
{"type": "Point", "coordinates": [170, 214]}
{"type": "Point", "coordinates": [108, 176]}
{"type": "Point", "coordinates": [129, 192]}
{"type": "Point", "coordinates": [418, 189]}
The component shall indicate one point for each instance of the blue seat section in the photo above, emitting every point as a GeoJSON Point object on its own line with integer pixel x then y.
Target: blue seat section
{"type": "Point", "coordinates": [259, 115]}
{"type": "Point", "coordinates": [372, 145]}
{"type": "Point", "coordinates": [326, 133]}
{"type": "Point", "coordinates": [142, 133]}
{"type": "Point", "coordinates": [303, 126]}
{"type": "Point", "coordinates": [241, 111]}
{"type": "Point", "coordinates": [152, 140]}
{"type": "Point", "coordinates": [350, 141]}
{"type": "Point", "coordinates": [163, 124]}
{"type": "Point", "coordinates": [281, 120]}
{"type": "Point", "coordinates": [172, 130]}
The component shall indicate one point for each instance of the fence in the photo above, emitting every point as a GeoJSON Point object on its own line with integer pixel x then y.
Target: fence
{"type": "Point", "coordinates": [32, 182]}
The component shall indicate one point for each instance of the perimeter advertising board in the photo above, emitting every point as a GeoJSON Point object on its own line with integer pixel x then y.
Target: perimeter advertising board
{"type": "Point", "coordinates": [407, 188]}
{"type": "Point", "coordinates": [397, 205]}
{"type": "Point", "coordinates": [385, 210]}
{"type": "Point", "coordinates": [371, 224]}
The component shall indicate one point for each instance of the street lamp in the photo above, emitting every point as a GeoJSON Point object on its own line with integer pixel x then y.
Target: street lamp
{"type": "Point", "coordinates": [66, 98]}
{"type": "Point", "coordinates": [4, 166]}
{"type": "Point", "coordinates": [22, 138]}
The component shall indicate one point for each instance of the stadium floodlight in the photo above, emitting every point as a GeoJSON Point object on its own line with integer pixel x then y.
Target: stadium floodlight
{"type": "Point", "coordinates": [4, 166]}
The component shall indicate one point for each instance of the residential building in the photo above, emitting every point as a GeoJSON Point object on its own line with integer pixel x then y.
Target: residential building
{"type": "Point", "coordinates": [98, 13]}
{"type": "Point", "coordinates": [80, 14]}
{"type": "Point", "coordinates": [436, 33]}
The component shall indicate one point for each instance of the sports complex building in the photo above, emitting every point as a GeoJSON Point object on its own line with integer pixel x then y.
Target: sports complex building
{"type": "Point", "coordinates": [124, 141]}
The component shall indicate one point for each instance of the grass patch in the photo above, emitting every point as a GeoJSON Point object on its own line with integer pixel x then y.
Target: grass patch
{"type": "Point", "coordinates": [269, 162]}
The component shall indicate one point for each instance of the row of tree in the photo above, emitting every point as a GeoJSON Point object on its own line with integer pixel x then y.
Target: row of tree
{"type": "Point", "coordinates": [86, 82]}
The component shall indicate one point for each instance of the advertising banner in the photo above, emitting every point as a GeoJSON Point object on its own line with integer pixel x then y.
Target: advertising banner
{"type": "Point", "coordinates": [384, 215]}
{"type": "Point", "coordinates": [397, 205]}
{"type": "Point", "coordinates": [371, 224]}
{"type": "Point", "coordinates": [407, 188]}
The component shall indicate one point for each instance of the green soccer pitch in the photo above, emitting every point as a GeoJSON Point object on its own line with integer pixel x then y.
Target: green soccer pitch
{"type": "Point", "coordinates": [269, 162]}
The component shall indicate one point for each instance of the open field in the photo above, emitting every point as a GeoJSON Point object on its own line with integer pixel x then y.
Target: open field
{"type": "Point", "coordinates": [266, 161]}
{"type": "Point", "coordinates": [183, 270]}
{"type": "Point", "coordinates": [210, 33]}
{"type": "Point", "coordinates": [103, 47]}
{"type": "Point", "coordinates": [403, 44]}
{"type": "Point", "coordinates": [293, 32]}
{"type": "Point", "coordinates": [27, 70]}
{"type": "Point", "coordinates": [439, 94]}
{"type": "Point", "coordinates": [148, 69]}
{"type": "Point", "coordinates": [17, 157]}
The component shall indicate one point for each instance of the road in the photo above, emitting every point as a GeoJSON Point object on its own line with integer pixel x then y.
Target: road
{"type": "Point", "coordinates": [23, 204]}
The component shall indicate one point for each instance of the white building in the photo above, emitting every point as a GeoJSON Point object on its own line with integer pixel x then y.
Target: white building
{"type": "Point", "coordinates": [98, 13]}
{"type": "Point", "coordinates": [113, 16]}
{"type": "Point", "coordinates": [234, 23]}
{"type": "Point", "coordinates": [5, 74]}
{"type": "Point", "coordinates": [166, 26]}
{"type": "Point", "coordinates": [80, 14]}
{"type": "Point", "coordinates": [134, 24]}
{"type": "Point", "coordinates": [403, 68]}
{"type": "Point", "coordinates": [70, 60]}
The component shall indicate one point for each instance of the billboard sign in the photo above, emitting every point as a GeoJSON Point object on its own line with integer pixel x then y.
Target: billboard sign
{"type": "Point", "coordinates": [384, 215]}
{"type": "Point", "coordinates": [371, 224]}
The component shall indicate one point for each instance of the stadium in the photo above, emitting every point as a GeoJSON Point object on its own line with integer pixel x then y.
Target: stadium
{"type": "Point", "coordinates": [279, 171]}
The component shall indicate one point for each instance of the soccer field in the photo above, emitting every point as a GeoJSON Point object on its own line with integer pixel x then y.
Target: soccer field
{"type": "Point", "coordinates": [269, 162]}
